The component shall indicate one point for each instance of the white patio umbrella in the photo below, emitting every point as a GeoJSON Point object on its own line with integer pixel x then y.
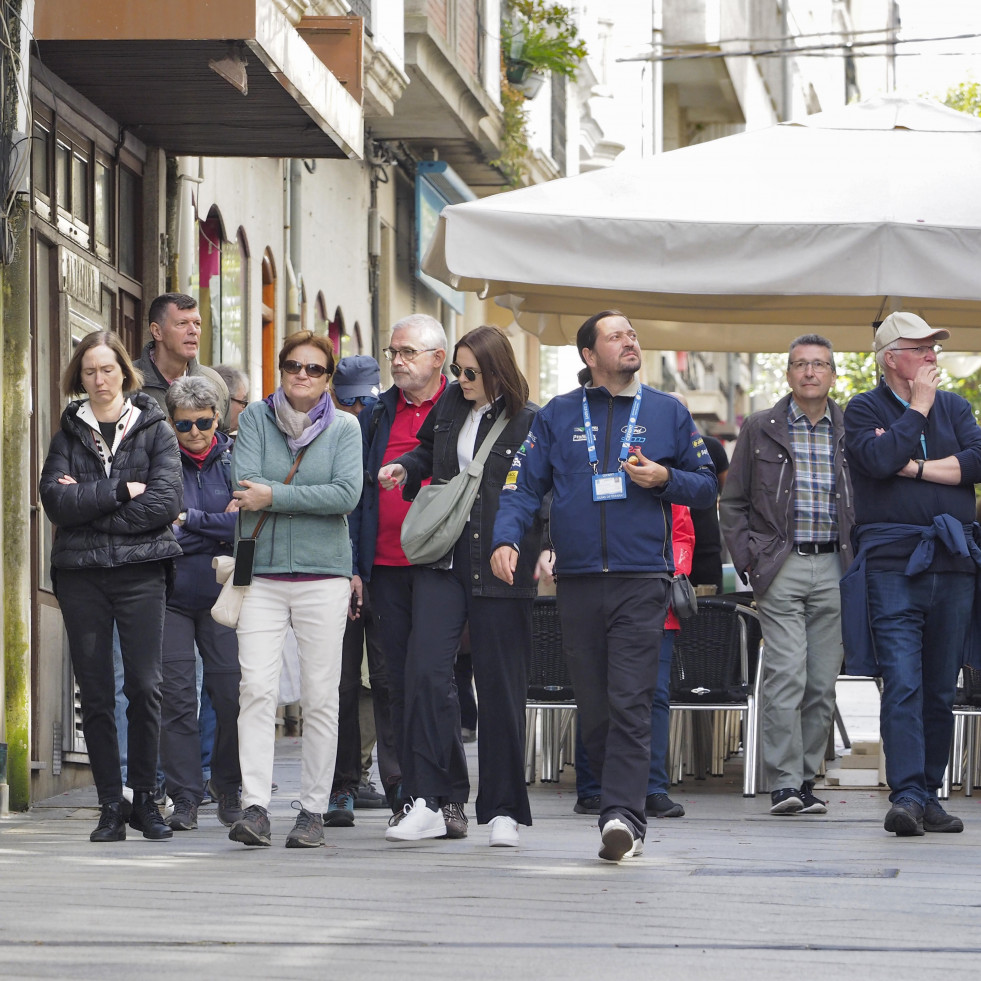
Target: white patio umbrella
{"type": "Point", "coordinates": [828, 223]}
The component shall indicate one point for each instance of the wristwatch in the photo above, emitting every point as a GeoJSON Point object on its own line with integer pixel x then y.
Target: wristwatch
{"type": "Point", "coordinates": [182, 517]}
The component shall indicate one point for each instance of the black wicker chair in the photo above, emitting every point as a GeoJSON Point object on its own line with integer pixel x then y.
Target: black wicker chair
{"type": "Point", "coordinates": [551, 701]}
{"type": "Point", "coordinates": [715, 668]}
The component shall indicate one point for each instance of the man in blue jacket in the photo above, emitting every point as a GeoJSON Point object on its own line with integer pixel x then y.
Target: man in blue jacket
{"type": "Point", "coordinates": [616, 455]}
{"type": "Point", "coordinates": [915, 455]}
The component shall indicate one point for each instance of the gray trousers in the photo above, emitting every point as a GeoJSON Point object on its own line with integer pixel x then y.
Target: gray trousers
{"type": "Point", "coordinates": [801, 619]}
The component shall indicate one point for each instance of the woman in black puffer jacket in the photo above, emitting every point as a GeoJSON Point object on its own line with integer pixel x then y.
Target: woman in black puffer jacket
{"type": "Point", "coordinates": [111, 485]}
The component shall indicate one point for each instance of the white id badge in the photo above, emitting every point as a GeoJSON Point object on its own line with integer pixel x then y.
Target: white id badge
{"type": "Point", "coordinates": [609, 486]}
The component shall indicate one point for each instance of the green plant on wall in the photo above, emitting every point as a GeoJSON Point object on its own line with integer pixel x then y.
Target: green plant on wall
{"type": "Point", "coordinates": [537, 37]}
{"type": "Point", "coordinates": [541, 37]}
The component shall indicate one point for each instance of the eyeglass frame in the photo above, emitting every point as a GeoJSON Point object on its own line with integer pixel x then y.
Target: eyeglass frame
{"type": "Point", "coordinates": [186, 425]}
{"type": "Point", "coordinates": [242, 402]}
{"type": "Point", "coordinates": [921, 349]}
{"type": "Point", "coordinates": [313, 370]}
{"type": "Point", "coordinates": [407, 354]}
{"type": "Point", "coordinates": [799, 364]}
{"type": "Point", "coordinates": [469, 373]}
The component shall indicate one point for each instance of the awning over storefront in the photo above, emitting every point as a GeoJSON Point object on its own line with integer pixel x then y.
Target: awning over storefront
{"type": "Point", "coordinates": [222, 78]}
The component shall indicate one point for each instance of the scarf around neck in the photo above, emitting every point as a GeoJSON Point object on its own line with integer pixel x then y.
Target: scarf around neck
{"type": "Point", "coordinates": [300, 428]}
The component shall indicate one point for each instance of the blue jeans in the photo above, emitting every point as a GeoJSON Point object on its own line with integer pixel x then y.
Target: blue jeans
{"type": "Point", "coordinates": [657, 782]}
{"type": "Point", "coordinates": [919, 626]}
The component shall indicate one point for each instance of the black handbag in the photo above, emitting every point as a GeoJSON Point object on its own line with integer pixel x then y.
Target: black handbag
{"type": "Point", "coordinates": [683, 600]}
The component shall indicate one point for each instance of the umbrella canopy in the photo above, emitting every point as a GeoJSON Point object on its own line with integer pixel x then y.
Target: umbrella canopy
{"type": "Point", "coordinates": [826, 224]}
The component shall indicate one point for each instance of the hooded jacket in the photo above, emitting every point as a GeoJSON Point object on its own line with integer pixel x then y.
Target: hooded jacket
{"type": "Point", "coordinates": [94, 527]}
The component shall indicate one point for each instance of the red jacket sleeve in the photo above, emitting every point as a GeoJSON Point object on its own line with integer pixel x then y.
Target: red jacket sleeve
{"type": "Point", "coordinates": [683, 543]}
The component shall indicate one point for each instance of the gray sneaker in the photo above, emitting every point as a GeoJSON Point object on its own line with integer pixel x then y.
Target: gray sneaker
{"type": "Point", "coordinates": [184, 816]}
{"type": "Point", "coordinates": [308, 832]}
{"type": "Point", "coordinates": [252, 828]}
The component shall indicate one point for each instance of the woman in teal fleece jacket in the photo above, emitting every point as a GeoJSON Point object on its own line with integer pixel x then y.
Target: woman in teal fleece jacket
{"type": "Point", "coordinates": [301, 578]}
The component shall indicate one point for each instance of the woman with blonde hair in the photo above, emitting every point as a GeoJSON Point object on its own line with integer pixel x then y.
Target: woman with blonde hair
{"type": "Point", "coordinates": [111, 485]}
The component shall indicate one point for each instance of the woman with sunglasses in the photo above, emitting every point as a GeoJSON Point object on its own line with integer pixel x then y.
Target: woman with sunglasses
{"type": "Point", "coordinates": [302, 573]}
{"type": "Point", "coordinates": [111, 486]}
{"type": "Point", "coordinates": [461, 588]}
{"type": "Point", "coordinates": [205, 528]}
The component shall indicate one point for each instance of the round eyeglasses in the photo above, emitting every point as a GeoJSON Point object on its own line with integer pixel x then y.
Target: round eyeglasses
{"type": "Point", "coordinates": [469, 373]}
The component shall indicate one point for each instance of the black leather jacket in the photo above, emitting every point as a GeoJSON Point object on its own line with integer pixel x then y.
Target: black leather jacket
{"type": "Point", "coordinates": [436, 457]}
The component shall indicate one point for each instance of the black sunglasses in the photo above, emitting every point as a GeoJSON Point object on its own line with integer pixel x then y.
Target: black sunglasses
{"type": "Point", "coordinates": [204, 424]}
{"type": "Point", "coordinates": [365, 400]}
{"type": "Point", "coordinates": [469, 373]}
{"type": "Point", "coordinates": [312, 370]}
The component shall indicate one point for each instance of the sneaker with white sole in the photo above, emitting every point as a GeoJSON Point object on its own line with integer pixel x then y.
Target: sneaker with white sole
{"type": "Point", "coordinates": [619, 842]}
{"type": "Point", "coordinates": [503, 831]}
{"type": "Point", "coordinates": [419, 821]}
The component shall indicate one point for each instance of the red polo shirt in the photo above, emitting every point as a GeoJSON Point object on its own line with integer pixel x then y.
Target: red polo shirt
{"type": "Point", "coordinates": [392, 509]}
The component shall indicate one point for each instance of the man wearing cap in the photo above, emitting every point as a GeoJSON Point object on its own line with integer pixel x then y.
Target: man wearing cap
{"type": "Point", "coordinates": [907, 601]}
{"type": "Point", "coordinates": [356, 383]}
{"type": "Point", "coordinates": [355, 387]}
{"type": "Point", "coordinates": [786, 513]}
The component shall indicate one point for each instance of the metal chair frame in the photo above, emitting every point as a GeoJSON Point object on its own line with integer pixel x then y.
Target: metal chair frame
{"type": "Point", "coordinates": [733, 723]}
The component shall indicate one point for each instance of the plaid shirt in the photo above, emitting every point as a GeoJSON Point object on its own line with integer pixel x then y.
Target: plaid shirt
{"type": "Point", "coordinates": [815, 514]}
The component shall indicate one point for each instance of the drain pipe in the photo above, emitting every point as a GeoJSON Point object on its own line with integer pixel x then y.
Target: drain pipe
{"type": "Point", "coordinates": [293, 323]}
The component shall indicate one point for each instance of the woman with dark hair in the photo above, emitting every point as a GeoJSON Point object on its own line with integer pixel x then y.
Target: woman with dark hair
{"type": "Point", "coordinates": [111, 486]}
{"type": "Point", "coordinates": [298, 460]}
{"type": "Point", "coordinates": [462, 589]}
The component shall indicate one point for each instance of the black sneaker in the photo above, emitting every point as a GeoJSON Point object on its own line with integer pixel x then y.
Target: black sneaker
{"type": "Point", "coordinates": [935, 818]}
{"type": "Point", "coordinates": [146, 817]}
{"type": "Point", "coordinates": [229, 804]}
{"type": "Point", "coordinates": [588, 805]}
{"type": "Point", "coordinates": [456, 821]}
{"type": "Point", "coordinates": [785, 801]}
{"type": "Point", "coordinates": [340, 810]}
{"type": "Point", "coordinates": [905, 818]}
{"type": "Point", "coordinates": [252, 828]}
{"type": "Point", "coordinates": [368, 795]}
{"type": "Point", "coordinates": [661, 806]}
{"type": "Point", "coordinates": [812, 804]}
{"type": "Point", "coordinates": [184, 816]}
{"type": "Point", "coordinates": [111, 826]}
{"type": "Point", "coordinates": [308, 832]}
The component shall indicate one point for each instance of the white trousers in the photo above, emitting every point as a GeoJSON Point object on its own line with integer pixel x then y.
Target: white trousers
{"type": "Point", "coordinates": [317, 612]}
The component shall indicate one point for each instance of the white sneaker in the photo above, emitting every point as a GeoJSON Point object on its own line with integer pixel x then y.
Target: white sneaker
{"type": "Point", "coordinates": [503, 831]}
{"type": "Point", "coordinates": [619, 842]}
{"type": "Point", "coordinates": [418, 822]}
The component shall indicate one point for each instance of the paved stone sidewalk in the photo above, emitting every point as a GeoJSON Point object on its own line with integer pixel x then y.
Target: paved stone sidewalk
{"type": "Point", "coordinates": [727, 892]}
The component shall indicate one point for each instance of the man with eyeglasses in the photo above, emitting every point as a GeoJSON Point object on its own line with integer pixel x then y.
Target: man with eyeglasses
{"type": "Point", "coordinates": [416, 353]}
{"type": "Point", "coordinates": [237, 382]}
{"type": "Point", "coordinates": [172, 351]}
{"type": "Point", "coordinates": [786, 513]}
{"type": "Point", "coordinates": [908, 600]}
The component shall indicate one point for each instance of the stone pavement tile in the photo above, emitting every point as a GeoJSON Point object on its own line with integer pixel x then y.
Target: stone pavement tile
{"type": "Point", "coordinates": [727, 892]}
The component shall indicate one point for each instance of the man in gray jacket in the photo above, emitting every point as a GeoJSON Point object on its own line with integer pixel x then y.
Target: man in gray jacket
{"type": "Point", "coordinates": [175, 326]}
{"type": "Point", "coordinates": [786, 513]}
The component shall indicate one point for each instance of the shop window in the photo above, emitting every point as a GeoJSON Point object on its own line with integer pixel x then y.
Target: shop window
{"type": "Point", "coordinates": [223, 294]}
{"type": "Point", "coordinates": [102, 225]}
{"type": "Point", "coordinates": [130, 222]}
{"type": "Point", "coordinates": [72, 172]}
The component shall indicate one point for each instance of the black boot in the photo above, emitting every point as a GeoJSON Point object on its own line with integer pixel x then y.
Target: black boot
{"type": "Point", "coordinates": [146, 817]}
{"type": "Point", "coordinates": [111, 826]}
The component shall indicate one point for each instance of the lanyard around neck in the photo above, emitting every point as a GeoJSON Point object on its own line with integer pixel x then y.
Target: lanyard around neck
{"type": "Point", "coordinates": [627, 435]}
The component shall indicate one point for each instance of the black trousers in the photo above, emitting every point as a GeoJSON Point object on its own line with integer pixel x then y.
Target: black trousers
{"type": "Point", "coordinates": [391, 603]}
{"type": "Point", "coordinates": [434, 763]}
{"type": "Point", "coordinates": [180, 735]}
{"type": "Point", "coordinates": [132, 597]}
{"type": "Point", "coordinates": [359, 635]}
{"type": "Point", "coordinates": [612, 628]}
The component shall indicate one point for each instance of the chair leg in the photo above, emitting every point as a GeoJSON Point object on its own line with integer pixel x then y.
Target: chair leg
{"type": "Point", "coordinates": [548, 745]}
{"type": "Point", "coordinates": [531, 724]}
{"type": "Point", "coordinates": [969, 752]}
{"type": "Point", "coordinates": [751, 728]}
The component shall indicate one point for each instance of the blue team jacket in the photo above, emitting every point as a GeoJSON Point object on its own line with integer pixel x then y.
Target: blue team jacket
{"type": "Point", "coordinates": [627, 536]}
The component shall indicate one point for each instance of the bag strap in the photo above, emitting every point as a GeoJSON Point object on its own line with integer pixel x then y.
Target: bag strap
{"type": "Point", "coordinates": [487, 445]}
{"type": "Point", "coordinates": [289, 477]}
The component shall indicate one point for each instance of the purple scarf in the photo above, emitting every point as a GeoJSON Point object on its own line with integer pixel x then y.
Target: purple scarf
{"type": "Point", "coordinates": [300, 428]}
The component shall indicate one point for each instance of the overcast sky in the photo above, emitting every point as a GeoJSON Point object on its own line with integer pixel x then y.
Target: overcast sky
{"type": "Point", "coordinates": [940, 65]}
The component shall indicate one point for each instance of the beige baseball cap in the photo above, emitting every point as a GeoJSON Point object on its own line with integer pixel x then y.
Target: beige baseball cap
{"type": "Point", "coordinates": [908, 326]}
